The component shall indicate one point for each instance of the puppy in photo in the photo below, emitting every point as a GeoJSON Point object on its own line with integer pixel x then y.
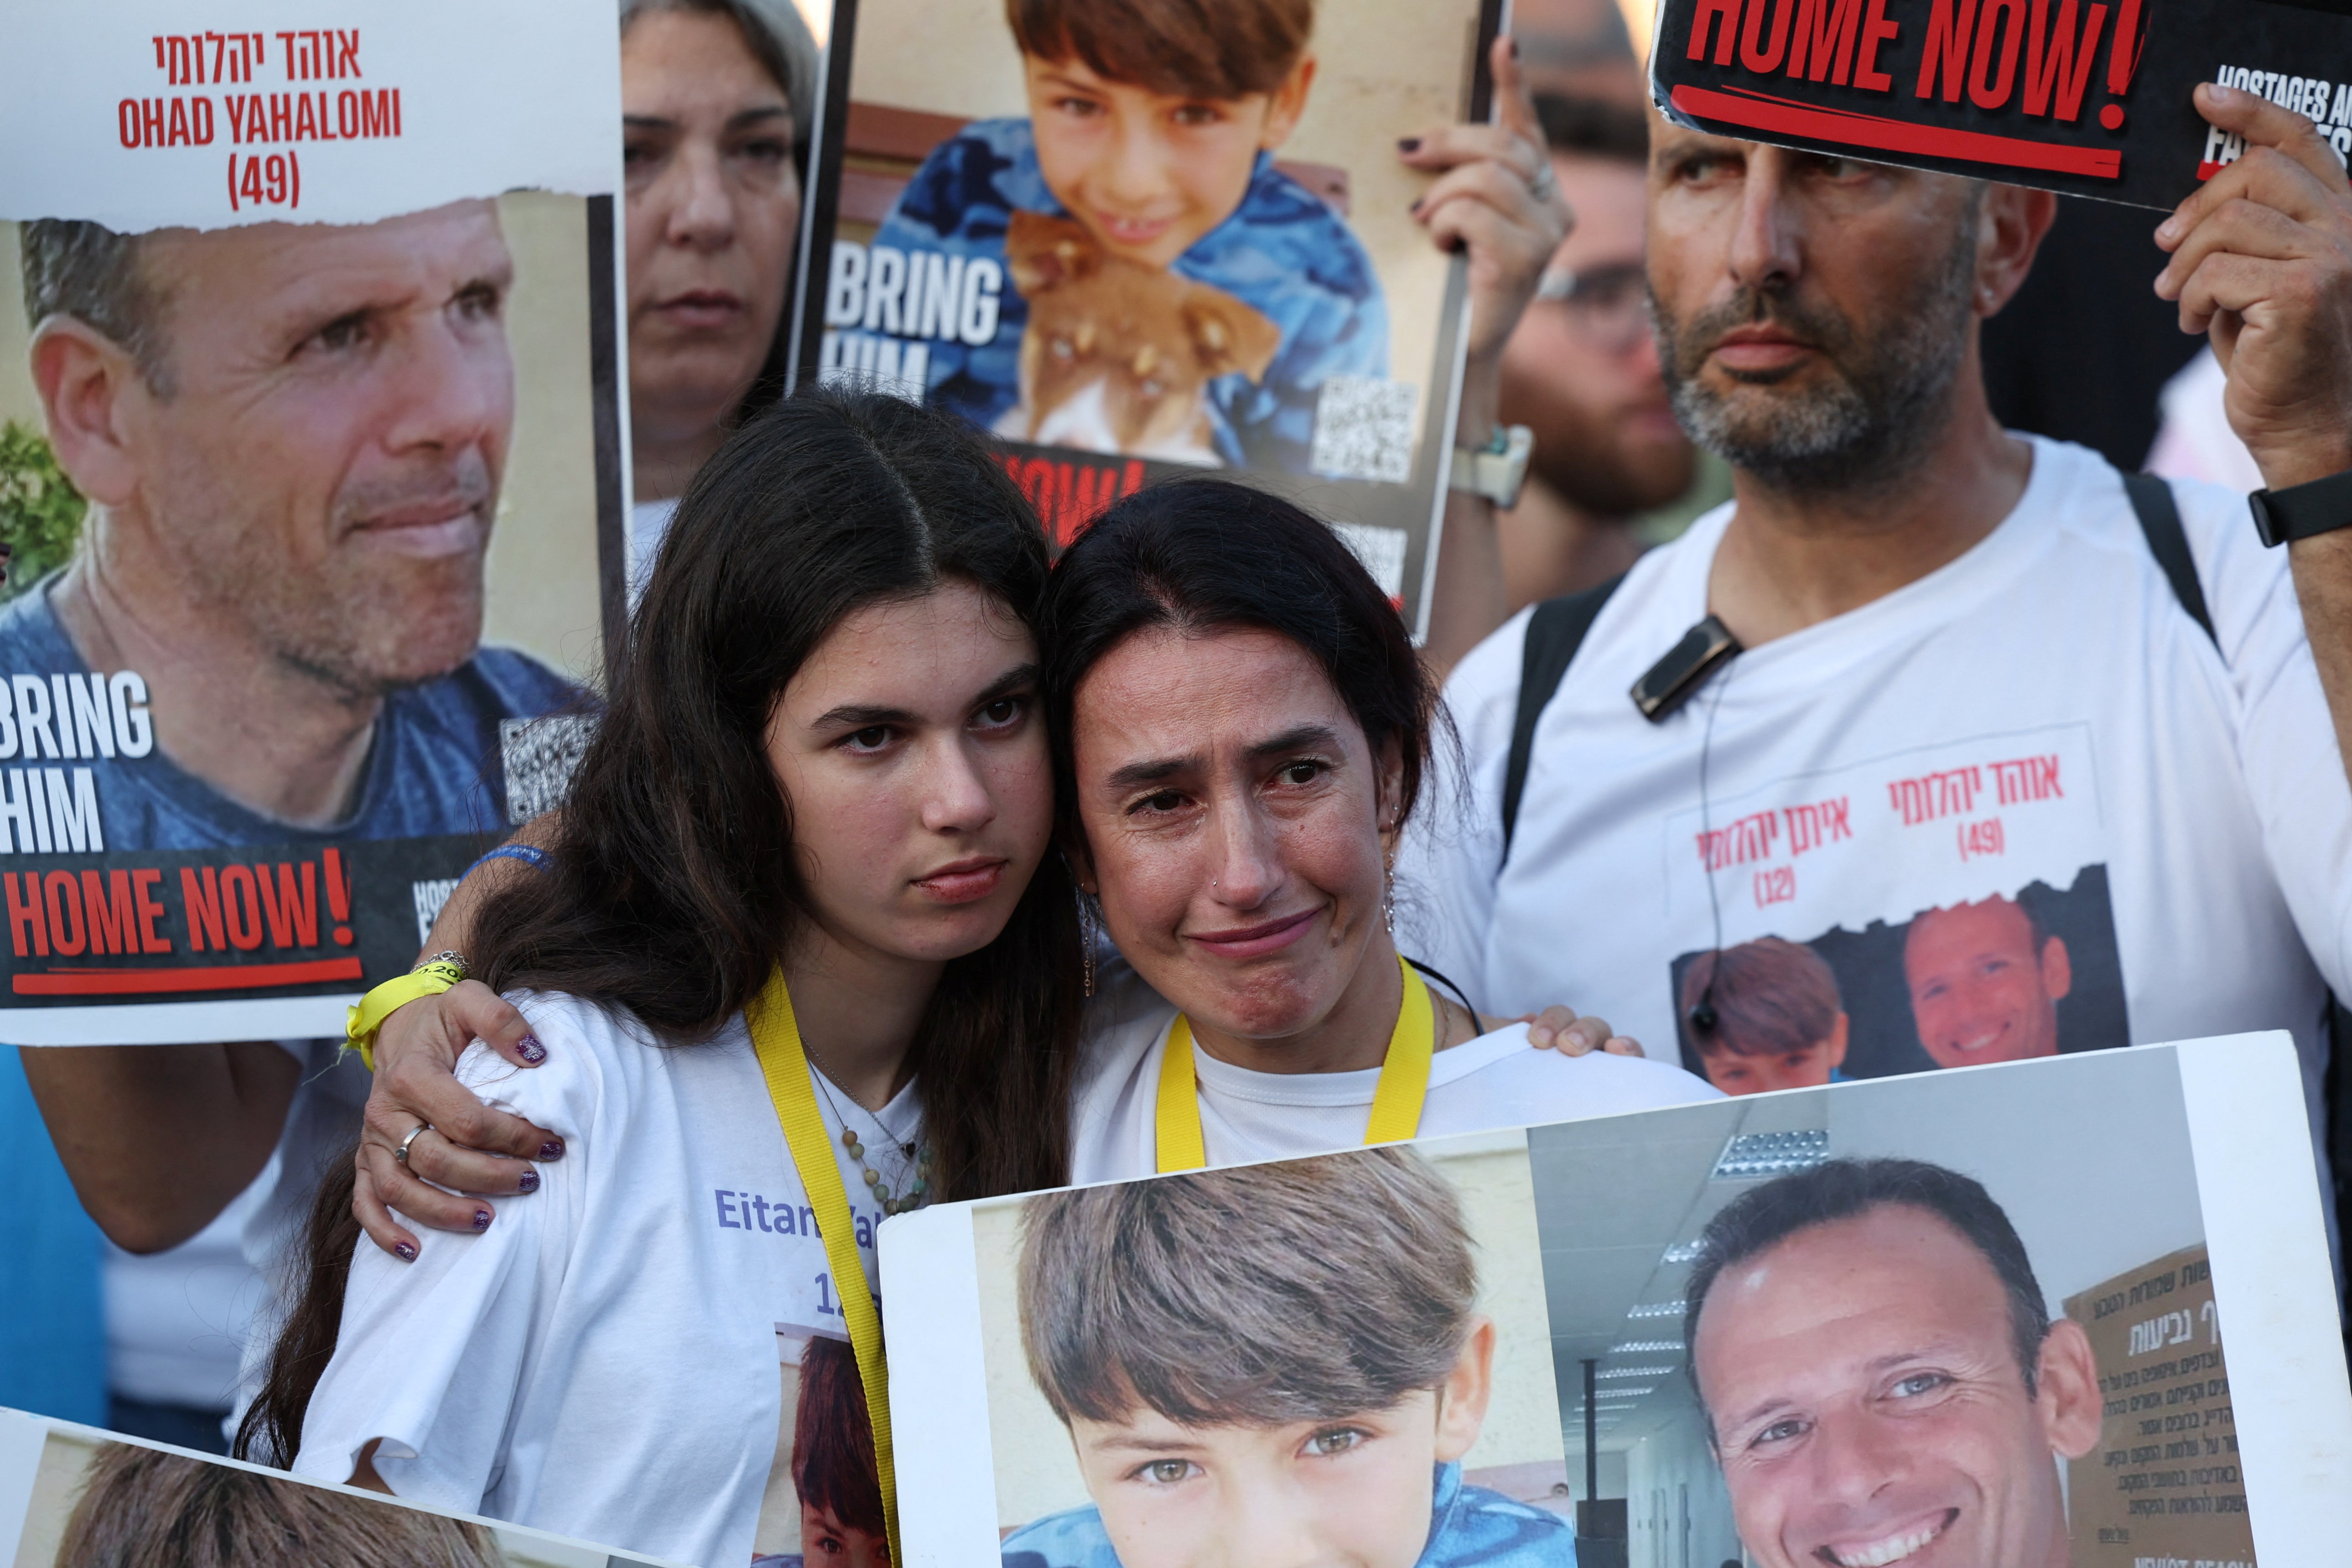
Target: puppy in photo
{"type": "Point", "coordinates": [1118, 357]}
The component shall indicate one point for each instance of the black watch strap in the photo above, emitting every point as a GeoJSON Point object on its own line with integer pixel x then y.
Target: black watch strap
{"type": "Point", "coordinates": [2299, 511]}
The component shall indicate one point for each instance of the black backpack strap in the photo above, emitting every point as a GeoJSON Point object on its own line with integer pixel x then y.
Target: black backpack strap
{"type": "Point", "coordinates": [2159, 520]}
{"type": "Point", "coordinates": [1555, 632]}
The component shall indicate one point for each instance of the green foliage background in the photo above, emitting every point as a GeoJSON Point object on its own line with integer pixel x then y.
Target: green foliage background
{"type": "Point", "coordinates": [40, 511]}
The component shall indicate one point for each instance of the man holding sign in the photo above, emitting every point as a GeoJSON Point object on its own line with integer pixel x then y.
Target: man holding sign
{"type": "Point", "coordinates": [1933, 663]}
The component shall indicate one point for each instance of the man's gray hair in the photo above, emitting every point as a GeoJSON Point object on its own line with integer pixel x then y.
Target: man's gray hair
{"type": "Point", "coordinates": [88, 271]}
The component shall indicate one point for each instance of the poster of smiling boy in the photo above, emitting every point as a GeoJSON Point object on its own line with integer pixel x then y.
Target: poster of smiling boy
{"type": "Point", "coordinates": [1131, 236]}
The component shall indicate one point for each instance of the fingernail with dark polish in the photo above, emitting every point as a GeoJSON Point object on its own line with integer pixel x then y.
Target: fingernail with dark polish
{"type": "Point", "coordinates": [529, 1183]}
{"type": "Point", "coordinates": [532, 1051]}
{"type": "Point", "coordinates": [1416, 206]}
{"type": "Point", "coordinates": [1515, 48]}
{"type": "Point", "coordinates": [481, 1219]}
{"type": "Point", "coordinates": [1408, 143]}
{"type": "Point", "coordinates": [406, 1251]}
{"type": "Point", "coordinates": [552, 1150]}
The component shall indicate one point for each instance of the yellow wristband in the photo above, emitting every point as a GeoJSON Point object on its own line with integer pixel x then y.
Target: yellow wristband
{"type": "Point", "coordinates": [364, 1020]}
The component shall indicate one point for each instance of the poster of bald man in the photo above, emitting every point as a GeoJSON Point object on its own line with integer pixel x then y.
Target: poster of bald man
{"type": "Point", "coordinates": [309, 481]}
{"type": "Point", "coordinates": [2074, 1312]}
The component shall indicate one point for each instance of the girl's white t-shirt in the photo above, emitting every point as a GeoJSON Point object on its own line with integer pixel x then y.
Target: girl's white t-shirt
{"type": "Point", "coordinates": [1497, 1080]}
{"type": "Point", "coordinates": [604, 1359]}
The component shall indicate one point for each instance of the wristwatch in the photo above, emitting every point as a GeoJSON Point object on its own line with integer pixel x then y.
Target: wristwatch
{"type": "Point", "coordinates": [1499, 468]}
{"type": "Point", "coordinates": [2299, 511]}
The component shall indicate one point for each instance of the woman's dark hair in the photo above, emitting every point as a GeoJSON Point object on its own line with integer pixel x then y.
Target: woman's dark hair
{"type": "Point", "coordinates": [673, 889]}
{"type": "Point", "coordinates": [1200, 556]}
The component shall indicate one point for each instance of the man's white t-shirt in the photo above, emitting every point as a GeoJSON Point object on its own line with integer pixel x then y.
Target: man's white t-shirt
{"type": "Point", "coordinates": [604, 1359]}
{"type": "Point", "coordinates": [1497, 1080]}
{"type": "Point", "coordinates": [2038, 720]}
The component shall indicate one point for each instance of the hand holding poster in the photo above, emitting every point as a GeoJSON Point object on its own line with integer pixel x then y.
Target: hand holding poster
{"type": "Point", "coordinates": [1135, 239]}
{"type": "Point", "coordinates": [313, 414]}
{"type": "Point", "coordinates": [1927, 1320]}
{"type": "Point", "coordinates": [2086, 98]}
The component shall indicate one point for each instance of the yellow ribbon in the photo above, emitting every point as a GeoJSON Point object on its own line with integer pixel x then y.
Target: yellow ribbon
{"type": "Point", "coordinates": [776, 1037]}
{"type": "Point", "coordinates": [361, 1023]}
{"type": "Point", "coordinates": [1179, 1144]}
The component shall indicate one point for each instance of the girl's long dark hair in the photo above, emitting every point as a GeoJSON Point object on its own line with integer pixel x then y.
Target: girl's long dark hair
{"type": "Point", "coordinates": [673, 889]}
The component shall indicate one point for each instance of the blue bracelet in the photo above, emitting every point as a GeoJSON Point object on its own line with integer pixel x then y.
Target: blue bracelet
{"type": "Point", "coordinates": [537, 859]}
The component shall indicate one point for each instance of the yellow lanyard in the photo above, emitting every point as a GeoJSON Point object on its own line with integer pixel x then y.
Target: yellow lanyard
{"type": "Point", "coordinates": [776, 1038]}
{"type": "Point", "coordinates": [1396, 1101]}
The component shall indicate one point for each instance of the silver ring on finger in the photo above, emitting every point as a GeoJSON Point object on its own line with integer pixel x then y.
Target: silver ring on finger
{"type": "Point", "coordinates": [401, 1154]}
{"type": "Point", "coordinates": [1545, 184]}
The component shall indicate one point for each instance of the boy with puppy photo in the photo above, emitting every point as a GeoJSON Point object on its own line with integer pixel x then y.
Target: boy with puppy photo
{"type": "Point", "coordinates": [1268, 1364]}
{"type": "Point", "coordinates": [1188, 299]}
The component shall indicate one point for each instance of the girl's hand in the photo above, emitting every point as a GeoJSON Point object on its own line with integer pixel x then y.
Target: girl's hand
{"type": "Point", "coordinates": [468, 1147]}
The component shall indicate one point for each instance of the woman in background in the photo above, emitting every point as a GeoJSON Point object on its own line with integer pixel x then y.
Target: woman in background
{"type": "Point", "coordinates": [715, 99]}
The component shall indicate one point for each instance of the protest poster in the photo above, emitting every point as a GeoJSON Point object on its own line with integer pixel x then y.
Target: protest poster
{"type": "Point", "coordinates": [311, 462]}
{"type": "Point", "coordinates": [2085, 99]}
{"type": "Point", "coordinates": [2168, 1452]}
{"type": "Point", "coordinates": [1136, 240]}
{"type": "Point", "coordinates": [1637, 1322]}
{"type": "Point", "coordinates": [73, 1497]}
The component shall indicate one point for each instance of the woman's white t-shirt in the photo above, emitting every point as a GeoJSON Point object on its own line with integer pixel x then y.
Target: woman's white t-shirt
{"type": "Point", "coordinates": [1495, 1081]}
{"type": "Point", "coordinates": [604, 1359]}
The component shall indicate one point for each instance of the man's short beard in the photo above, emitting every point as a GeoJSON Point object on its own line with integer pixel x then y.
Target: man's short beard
{"type": "Point", "coordinates": [1868, 427]}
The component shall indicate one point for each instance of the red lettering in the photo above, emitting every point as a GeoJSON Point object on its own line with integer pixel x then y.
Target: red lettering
{"type": "Point", "coordinates": [375, 113]}
{"type": "Point", "coordinates": [127, 121]}
{"type": "Point", "coordinates": [52, 885]}
{"type": "Point", "coordinates": [2004, 19]}
{"type": "Point", "coordinates": [306, 122]}
{"type": "Point", "coordinates": [150, 911]}
{"type": "Point", "coordinates": [1947, 41]}
{"type": "Point", "coordinates": [1726, 15]}
{"type": "Point", "coordinates": [240, 908]}
{"type": "Point", "coordinates": [1754, 53]}
{"type": "Point", "coordinates": [203, 909]}
{"type": "Point", "coordinates": [281, 114]}
{"type": "Point", "coordinates": [2056, 62]}
{"type": "Point", "coordinates": [2026, 780]}
{"type": "Point", "coordinates": [1933, 796]}
{"type": "Point", "coordinates": [1875, 30]}
{"type": "Point", "coordinates": [25, 915]}
{"type": "Point", "coordinates": [291, 912]}
{"type": "Point", "coordinates": [113, 921]}
{"type": "Point", "coordinates": [151, 121]}
{"type": "Point", "coordinates": [1819, 24]}
{"type": "Point", "coordinates": [1811, 826]}
{"type": "Point", "coordinates": [339, 897]}
{"type": "Point", "coordinates": [1749, 838]}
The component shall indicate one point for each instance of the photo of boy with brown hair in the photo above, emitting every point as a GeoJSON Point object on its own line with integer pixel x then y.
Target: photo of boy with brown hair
{"type": "Point", "coordinates": [1147, 160]}
{"type": "Point", "coordinates": [1764, 1015]}
{"type": "Point", "coordinates": [144, 1507]}
{"type": "Point", "coordinates": [1268, 1364]}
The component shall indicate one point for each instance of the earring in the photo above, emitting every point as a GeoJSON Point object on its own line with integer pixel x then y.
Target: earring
{"type": "Point", "coordinates": [1388, 896]}
{"type": "Point", "coordinates": [1089, 931]}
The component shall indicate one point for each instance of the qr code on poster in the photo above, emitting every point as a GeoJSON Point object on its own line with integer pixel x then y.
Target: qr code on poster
{"type": "Point", "coordinates": [1363, 429]}
{"type": "Point", "coordinates": [539, 754]}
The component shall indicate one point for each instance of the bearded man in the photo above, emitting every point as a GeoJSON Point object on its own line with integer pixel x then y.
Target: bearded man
{"type": "Point", "coordinates": [1921, 662]}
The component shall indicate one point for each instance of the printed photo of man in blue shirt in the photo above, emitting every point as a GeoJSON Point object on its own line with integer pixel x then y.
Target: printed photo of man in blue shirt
{"type": "Point", "coordinates": [291, 439]}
